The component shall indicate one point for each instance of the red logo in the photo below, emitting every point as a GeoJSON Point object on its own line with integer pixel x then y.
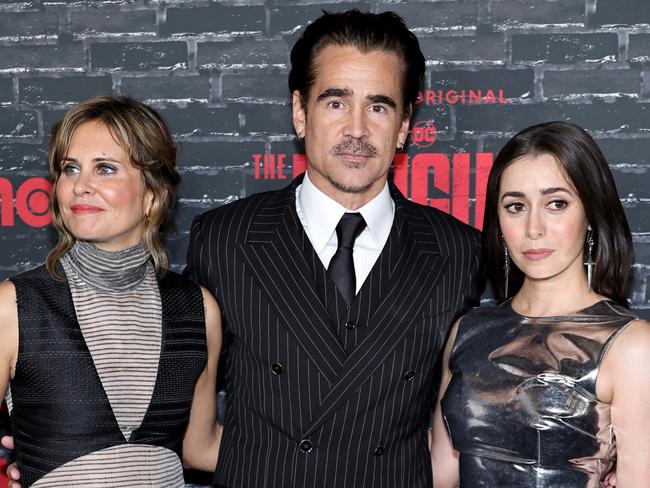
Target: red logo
{"type": "Point", "coordinates": [32, 202]}
{"type": "Point", "coordinates": [423, 133]}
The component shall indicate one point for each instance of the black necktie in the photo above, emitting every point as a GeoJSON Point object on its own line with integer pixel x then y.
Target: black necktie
{"type": "Point", "coordinates": [341, 268]}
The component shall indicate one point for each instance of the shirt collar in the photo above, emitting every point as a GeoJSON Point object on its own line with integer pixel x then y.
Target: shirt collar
{"type": "Point", "coordinates": [322, 214]}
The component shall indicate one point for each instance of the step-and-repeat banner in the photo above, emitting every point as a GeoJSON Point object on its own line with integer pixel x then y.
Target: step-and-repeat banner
{"type": "Point", "coordinates": [217, 71]}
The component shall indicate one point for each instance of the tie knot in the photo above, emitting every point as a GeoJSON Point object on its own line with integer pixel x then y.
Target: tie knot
{"type": "Point", "coordinates": [349, 228]}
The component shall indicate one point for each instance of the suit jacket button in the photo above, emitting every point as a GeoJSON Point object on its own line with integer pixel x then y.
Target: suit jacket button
{"type": "Point", "coordinates": [276, 368]}
{"type": "Point", "coordinates": [379, 450]}
{"type": "Point", "coordinates": [409, 375]}
{"type": "Point", "coordinates": [305, 445]}
{"type": "Point", "coordinates": [350, 325]}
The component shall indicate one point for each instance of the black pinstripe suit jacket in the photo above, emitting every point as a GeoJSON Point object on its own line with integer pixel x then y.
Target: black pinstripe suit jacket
{"type": "Point", "coordinates": [320, 395]}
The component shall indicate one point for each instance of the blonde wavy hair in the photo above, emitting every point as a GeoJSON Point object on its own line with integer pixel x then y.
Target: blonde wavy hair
{"type": "Point", "coordinates": [146, 138]}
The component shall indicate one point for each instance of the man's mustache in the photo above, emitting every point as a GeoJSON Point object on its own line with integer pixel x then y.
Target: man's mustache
{"type": "Point", "coordinates": [355, 146]}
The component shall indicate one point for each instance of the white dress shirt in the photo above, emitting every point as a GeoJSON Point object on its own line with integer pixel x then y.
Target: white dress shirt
{"type": "Point", "coordinates": [320, 214]}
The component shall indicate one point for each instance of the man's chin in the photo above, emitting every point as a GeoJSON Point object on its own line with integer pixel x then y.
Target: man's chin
{"type": "Point", "coordinates": [350, 186]}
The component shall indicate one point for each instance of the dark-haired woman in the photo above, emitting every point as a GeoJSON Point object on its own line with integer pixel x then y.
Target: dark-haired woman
{"type": "Point", "coordinates": [102, 346]}
{"type": "Point", "coordinates": [550, 388]}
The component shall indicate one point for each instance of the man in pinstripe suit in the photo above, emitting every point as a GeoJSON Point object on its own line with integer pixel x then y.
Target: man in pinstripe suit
{"type": "Point", "coordinates": [325, 388]}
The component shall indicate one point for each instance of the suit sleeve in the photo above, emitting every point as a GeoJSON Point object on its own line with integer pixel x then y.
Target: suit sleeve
{"type": "Point", "coordinates": [197, 260]}
{"type": "Point", "coordinates": [476, 279]}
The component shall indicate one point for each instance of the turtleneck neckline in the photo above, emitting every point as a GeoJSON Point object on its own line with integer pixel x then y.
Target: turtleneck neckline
{"type": "Point", "coordinates": [112, 271]}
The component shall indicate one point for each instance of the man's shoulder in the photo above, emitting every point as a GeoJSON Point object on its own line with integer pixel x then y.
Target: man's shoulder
{"type": "Point", "coordinates": [441, 223]}
{"type": "Point", "coordinates": [245, 208]}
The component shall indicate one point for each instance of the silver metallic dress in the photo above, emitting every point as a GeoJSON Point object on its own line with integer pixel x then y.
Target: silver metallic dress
{"type": "Point", "coordinates": [521, 407]}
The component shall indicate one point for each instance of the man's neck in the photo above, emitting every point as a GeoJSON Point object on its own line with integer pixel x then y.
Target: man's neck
{"type": "Point", "coordinates": [349, 200]}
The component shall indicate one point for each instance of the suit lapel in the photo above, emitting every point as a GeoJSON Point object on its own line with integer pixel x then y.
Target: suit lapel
{"type": "Point", "coordinates": [418, 264]}
{"type": "Point", "coordinates": [273, 251]}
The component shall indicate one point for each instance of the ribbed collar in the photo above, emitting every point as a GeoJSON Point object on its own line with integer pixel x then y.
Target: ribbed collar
{"type": "Point", "coordinates": [112, 271]}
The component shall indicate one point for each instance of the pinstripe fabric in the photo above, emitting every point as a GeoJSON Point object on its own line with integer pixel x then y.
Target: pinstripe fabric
{"type": "Point", "coordinates": [362, 395]}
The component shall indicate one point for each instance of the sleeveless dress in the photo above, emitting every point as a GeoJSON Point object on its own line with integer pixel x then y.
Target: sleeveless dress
{"type": "Point", "coordinates": [521, 407]}
{"type": "Point", "coordinates": [105, 373]}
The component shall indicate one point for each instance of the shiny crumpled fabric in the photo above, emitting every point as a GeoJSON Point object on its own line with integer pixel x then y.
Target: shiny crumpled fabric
{"type": "Point", "coordinates": [521, 407]}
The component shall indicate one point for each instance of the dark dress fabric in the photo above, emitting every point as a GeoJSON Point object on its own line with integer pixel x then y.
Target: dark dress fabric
{"type": "Point", "coordinates": [521, 407]}
{"type": "Point", "coordinates": [60, 410]}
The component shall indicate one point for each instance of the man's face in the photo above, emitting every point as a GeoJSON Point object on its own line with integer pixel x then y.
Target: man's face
{"type": "Point", "coordinates": [352, 122]}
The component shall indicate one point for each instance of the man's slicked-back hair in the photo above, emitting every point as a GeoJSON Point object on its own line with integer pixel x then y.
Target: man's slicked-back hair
{"type": "Point", "coordinates": [367, 32]}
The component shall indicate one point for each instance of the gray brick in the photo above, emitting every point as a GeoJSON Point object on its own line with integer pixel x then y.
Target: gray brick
{"type": "Point", "coordinates": [200, 121]}
{"type": "Point", "coordinates": [621, 12]}
{"type": "Point", "coordinates": [514, 13]}
{"type": "Point", "coordinates": [436, 15]}
{"type": "Point", "coordinates": [255, 85]}
{"type": "Point", "coordinates": [25, 249]}
{"type": "Point", "coordinates": [265, 118]}
{"type": "Point", "coordinates": [18, 123]}
{"type": "Point", "coordinates": [515, 83]}
{"type": "Point", "coordinates": [92, 21]}
{"type": "Point", "coordinates": [217, 155]}
{"type": "Point", "coordinates": [598, 81]}
{"type": "Point", "coordinates": [632, 181]}
{"type": "Point", "coordinates": [211, 187]}
{"type": "Point", "coordinates": [172, 87]}
{"type": "Point", "coordinates": [133, 56]}
{"type": "Point", "coordinates": [639, 47]}
{"type": "Point", "coordinates": [623, 115]}
{"type": "Point", "coordinates": [488, 47]}
{"type": "Point", "coordinates": [59, 90]}
{"type": "Point", "coordinates": [58, 56]}
{"type": "Point", "coordinates": [625, 151]}
{"type": "Point", "coordinates": [293, 18]}
{"type": "Point", "coordinates": [241, 52]}
{"type": "Point", "coordinates": [6, 90]}
{"type": "Point", "coordinates": [215, 18]}
{"type": "Point", "coordinates": [51, 117]}
{"type": "Point", "coordinates": [20, 158]}
{"type": "Point", "coordinates": [440, 115]}
{"type": "Point", "coordinates": [29, 23]}
{"type": "Point", "coordinates": [637, 216]}
{"type": "Point", "coordinates": [564, 48]}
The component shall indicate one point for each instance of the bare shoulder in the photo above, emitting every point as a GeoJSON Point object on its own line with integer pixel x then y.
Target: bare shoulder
{"type": "Point", "coordinates": [8, 307]}
{"type": "Point", "coordinates": [8, 325]}
{"type": "Point", "coordinates": [212, 316]}
{"type": "Point", "coordinates": [634, 339]}
{"type": "Point", "coordinates": [626, 361]}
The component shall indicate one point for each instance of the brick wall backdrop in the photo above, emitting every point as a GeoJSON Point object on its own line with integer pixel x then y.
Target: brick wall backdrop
{"type": "Point", "coordinates": [217, 72]}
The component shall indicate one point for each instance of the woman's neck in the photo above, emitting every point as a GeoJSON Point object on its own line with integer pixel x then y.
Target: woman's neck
{"type": "Point", "coordinates": [554, 296]}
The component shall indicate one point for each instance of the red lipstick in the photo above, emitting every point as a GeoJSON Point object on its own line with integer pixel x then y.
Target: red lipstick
{"type": "Point", "coordinates": [85, 209]}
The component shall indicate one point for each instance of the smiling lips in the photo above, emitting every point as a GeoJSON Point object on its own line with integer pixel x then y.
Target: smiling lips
{"type": "Point", "coordinates": [537, 254]}
{"type": "Point", "coordinates": [85, 209]}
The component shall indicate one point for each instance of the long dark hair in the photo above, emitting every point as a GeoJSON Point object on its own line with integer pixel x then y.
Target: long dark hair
{"type": "Point", "coordinates": [586, 168]}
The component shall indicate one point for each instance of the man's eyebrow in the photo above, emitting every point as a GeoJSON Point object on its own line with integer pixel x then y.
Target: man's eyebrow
{"type": "Point", "coordinates": [385, 99]}
{"type": "Point", "coordinates": [334, 92]}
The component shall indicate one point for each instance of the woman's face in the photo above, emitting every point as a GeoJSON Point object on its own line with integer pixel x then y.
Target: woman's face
{"type": "Point", "coordinates": [101, 195]}
{"type": "Point", "coordinates": [542, 219]}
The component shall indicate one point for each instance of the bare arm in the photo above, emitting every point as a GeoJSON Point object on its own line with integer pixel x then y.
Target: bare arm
{"type": "Point", "coordinates": [444, 459]}
{"type": "Point", "coordinates": [203, 434]}
{"type": "Point", "coordinates": [624, 382]}
{"type": "Point", "coordinates": [8, 351]}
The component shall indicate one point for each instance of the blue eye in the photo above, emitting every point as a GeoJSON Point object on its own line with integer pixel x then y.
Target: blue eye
{"type": "Point", "coordinates": [70, 169]}
{"type": "Point", "coordinates": [106, 169]}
